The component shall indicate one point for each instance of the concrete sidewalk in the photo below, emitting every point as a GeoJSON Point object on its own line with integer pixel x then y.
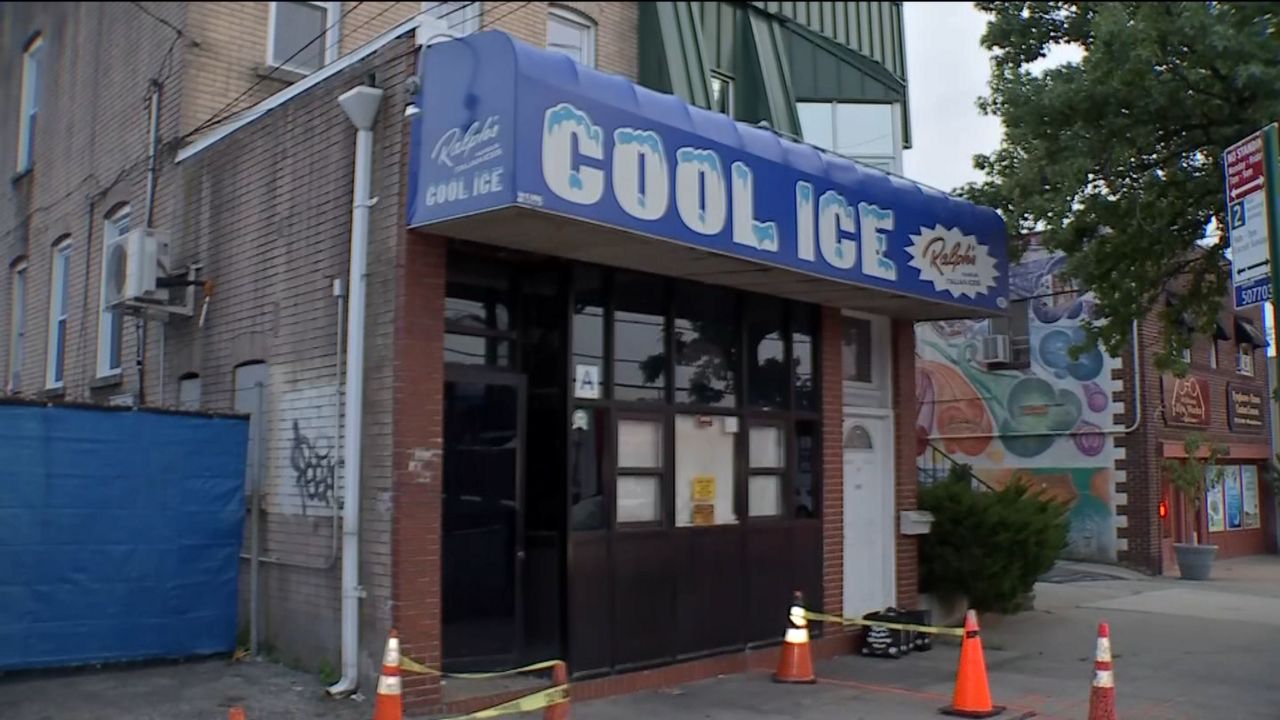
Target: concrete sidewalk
{"type": "Point", "coordinates": [1183, 651]}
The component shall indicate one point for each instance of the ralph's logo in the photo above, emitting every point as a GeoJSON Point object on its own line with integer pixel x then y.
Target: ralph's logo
{"type": "Point", "coordinates": [456, 146]}
{"type": "Point", "coordinates": [952, 261]}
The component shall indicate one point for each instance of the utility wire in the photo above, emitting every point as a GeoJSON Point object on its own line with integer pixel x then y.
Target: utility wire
{"type": "Point", "coordinates": [159, 19]}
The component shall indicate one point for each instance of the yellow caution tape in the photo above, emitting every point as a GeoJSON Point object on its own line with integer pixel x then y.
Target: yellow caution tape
{"type": "Point", "coordinates": [411, 665]}
{"type": "Point", "coordinates": [535, 701]}
{"type": "Point", "coordinates": [927, 629]}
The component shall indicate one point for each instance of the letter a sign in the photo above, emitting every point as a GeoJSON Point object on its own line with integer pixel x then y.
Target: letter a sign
{"type": "Point", "coordinates": [586, 384]}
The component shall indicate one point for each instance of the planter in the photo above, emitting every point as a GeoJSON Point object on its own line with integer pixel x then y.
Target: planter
{"type": "Point", "coordinates": [1195, 562]}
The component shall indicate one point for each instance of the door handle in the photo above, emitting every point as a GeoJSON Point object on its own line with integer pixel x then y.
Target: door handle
{"type": "Point", "coordinates": [520, 554]}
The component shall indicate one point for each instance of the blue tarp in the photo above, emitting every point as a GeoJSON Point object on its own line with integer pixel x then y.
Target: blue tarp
{"type": "Point", "coordinates": [120, 534]}
{"type": "Point", "coordinates": [506, 124]}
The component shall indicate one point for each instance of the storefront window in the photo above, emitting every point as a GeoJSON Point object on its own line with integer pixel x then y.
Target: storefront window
{"type": "Point", "coordinates": [639, 352]}
{"type": "Point", "coordinates": [477, 301]}
{"type": "Point", "coordinates": [706, 345]}
{"type": "Point", "coordinates": [807, 489]}
{"type": "Point", "coordinates": [464, 349]}
{"type": "Point", "coordinates": [767, 458]}
{"type": "Point", "coordinates": [705, 470]}
{"type": "Point", "coordinates": [803, 323]}
{"type": "Point", "coordinates": [767, 381]}
{"type": "Point", "coordinates": [588, 321]}
{"type": "Point", "coordinates": [640, 462]}
{"type": "Point", "coordinates": [586, 484]}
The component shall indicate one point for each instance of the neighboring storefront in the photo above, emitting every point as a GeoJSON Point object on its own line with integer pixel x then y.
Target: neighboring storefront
{"type": "Point", "coordinates": [1224, 407]}
{"type": "Point", "coordinates": [677, 376]}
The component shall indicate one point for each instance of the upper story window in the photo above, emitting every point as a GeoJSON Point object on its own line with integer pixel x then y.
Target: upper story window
{"type": "Point", "coordinates": [32, 70]}
{"type": "Point", "coordinates": [303, 36]}
{"type": "Point", "coordinates": [572, 33]}
{"type": "Point", "coordinates": [17, 323]}
{"type": "Point", "coordinates": [463, 18]}
{"type": "Point", "coordinates": [721, 88]}
{"type": "Point", "coordinates": [1248, 338]}
{"type": "Point", "coordinates": [111, 321]}
{"type": "Point", "coordinates": [59, 309]}
{"type": "Point", "coordinates": [866, 132]}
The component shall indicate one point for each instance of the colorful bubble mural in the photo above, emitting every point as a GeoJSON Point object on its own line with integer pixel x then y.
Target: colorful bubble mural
{"type": "Point", "coordinates": [1051, 421]}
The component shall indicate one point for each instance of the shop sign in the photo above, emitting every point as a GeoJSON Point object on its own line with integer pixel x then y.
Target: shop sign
{"type": "Point", "coordinates": [1244, 409]}
{"type": "Point", "coordinates": [525, 127]}
{"type": "Point", "coordinates": [1186, 400]}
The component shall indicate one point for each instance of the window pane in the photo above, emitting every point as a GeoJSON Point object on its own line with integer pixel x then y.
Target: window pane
{"type": "Point", "coordinates": [568, 37]}
{"type": "Point", "coordinates": [802, 328]}
{"type": "Point", "coordinates": [767, 376]}
{"type": "Point", "coordinates": [640, 360]}
{"type": "Point", "coordinates": [721, 94]}
{"type": "Point", "coordinates": [189, 393]}
{"type": "Point", "coordinates": [639, 444]}
{"type": "Point", "coordinates": [855, 353]}
{"type": "Point", "coordinates": [706, 345]}
{"type": "Point", "coordinates": [815, 124]}
{"type": "Point", "coordinates": [300, 26]}
{"type": "Point", "coordinates": [764, 495]}
{"type": "Point", "coordinates": [638, 498]}
{"type": "Point", "coordinates": [864, 129]}
{"type": "Point", "coordinates": [588, 319]}
{"type": "Point", "coordinates": [462, 17]}
{"type": "Point", "coordinates": [586, 488]}
{"type": "Point", "coordinates": [766, 447]}
{"type": "Point", "coordinates": [704, 482]}
{"type": "Point", "coordinates": [476, 350]}
{"type": "Point", "coordinates": [116, 339]}
{"type": "Point", "coordinates": [807, 490]}
{"type": "Point", "coordinates": [60, 344]}
{"type": "Point", "coordinates": [477, 297]}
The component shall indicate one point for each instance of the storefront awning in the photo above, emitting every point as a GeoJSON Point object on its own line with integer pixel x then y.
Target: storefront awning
{"type": "Point", "coordinates": [524, 148]}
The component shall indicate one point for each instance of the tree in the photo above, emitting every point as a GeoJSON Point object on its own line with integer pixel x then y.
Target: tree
{"type": "Point", "coordinates": [1117, 159]}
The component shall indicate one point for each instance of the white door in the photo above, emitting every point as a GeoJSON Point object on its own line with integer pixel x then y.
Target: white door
{"type": "Point", "coordinates": [868, 515]}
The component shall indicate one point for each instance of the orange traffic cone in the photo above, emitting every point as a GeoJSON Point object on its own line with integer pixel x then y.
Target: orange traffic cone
{"type": "Point", "coordinates": [795, 664]}
{"type": "Point", "coordinates": [235, 713]}
{"type": "Point", "coordinates": [388, 705]}
{"type": "Point", "coordinates": [1102, 696]}
{"type": "Point", "coordinates": [972, 698]}
{"type": "Point", "coordinates": [560, 710]}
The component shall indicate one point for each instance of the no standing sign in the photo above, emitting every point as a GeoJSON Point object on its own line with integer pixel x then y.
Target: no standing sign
{"type": "Point", "coordinates": [1248, 224]}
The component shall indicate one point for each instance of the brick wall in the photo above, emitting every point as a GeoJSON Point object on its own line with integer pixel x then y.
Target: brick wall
{"type": "Point", "coordinates": [904, 464]}
{"type": "Point", "coordinates": [267, 213]}
{"type": "Point", "coordinates": [832, 405]}
{"type": "Point", "coordinates": [617, 25]}
{"type": "Point", "coordinates": [418, 450]}
{"type": "Point", "coordinates": [89, 157]}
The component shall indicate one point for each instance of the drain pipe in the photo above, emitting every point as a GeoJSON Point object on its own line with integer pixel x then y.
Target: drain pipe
{"type": "Point", "coordinates": [361, 106]}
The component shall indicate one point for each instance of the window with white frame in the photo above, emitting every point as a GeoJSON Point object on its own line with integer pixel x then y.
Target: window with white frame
{"type": "Point", "coordinates": [17, 323]}
{"type": "Point", "coordinates": [59, 308]}
{"type": "Point", "coordinates": [721, 88]}
{"type": "Point", "coordinates": [110, 321]}
{"type": "Point", "coordinates": [32, 71]}
{"type": "Point", "coordinates": [867, 132]}
{"type": "Point", "coordinates": [189, 391]}
{"type": "Point", "coordinates": [303, 36]}
{"type": "Point", "coordinates": [1244, 359]}
{"type": "Point", "coordinates": [463, 18]}
{"type": "Point", "coordinates": [572, 33]}
{"type": "Point", "coordinates": [1213, 354]}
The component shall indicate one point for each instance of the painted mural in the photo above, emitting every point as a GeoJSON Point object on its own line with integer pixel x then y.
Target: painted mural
{"type": "Point", "coordinates": [1049, 424]}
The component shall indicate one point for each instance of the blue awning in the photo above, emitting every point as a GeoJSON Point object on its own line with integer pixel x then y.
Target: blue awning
{"type": "Point", "coordinates": [520, 146]}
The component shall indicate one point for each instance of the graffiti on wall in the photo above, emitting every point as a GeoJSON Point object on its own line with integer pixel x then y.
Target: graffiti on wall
{"type": "Point", "coordinates": [314, 467]}
{"type": "Point", "coordinates": [1048, 420]}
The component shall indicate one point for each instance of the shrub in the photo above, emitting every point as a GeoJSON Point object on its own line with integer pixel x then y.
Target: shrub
{"type": "Point", "coordinates": [989, 546]}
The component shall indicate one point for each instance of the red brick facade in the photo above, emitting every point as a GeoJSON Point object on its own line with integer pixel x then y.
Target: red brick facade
{"type": "Point", "coordinates": [1149, 539]}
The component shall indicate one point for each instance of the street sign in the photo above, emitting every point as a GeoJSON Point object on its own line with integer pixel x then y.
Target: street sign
{"type": "Point", "coordinates": [1248, 226]}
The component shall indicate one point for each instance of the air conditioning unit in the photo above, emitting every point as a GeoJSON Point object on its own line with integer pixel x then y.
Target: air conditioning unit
{"type": "Point", "coordinates": [996, 349]}
{"type": "Point", "coordinates": [134, 262]}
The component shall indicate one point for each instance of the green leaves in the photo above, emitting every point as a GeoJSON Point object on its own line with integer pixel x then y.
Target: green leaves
{"type": "Point", "coordinates": [1117, 159]}
{"type": "Point", "coordinates": [988, 546]}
